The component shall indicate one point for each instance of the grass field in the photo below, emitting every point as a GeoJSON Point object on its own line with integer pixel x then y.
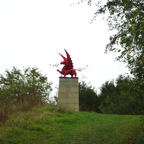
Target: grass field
{"type": "Point", "coordinates": [50, 125]}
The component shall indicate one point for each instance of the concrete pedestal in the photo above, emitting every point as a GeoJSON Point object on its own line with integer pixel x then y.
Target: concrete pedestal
{"type": "Point", "coordinates": [68, 95]}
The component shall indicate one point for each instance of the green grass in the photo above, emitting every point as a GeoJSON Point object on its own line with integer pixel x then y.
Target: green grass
{"type": "Point", "coordinates": [140, 140]}
{"type": "Point", "coordinates": [50, 125]}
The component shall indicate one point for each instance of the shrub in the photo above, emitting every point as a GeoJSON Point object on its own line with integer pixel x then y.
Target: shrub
{"type": "Point", "coordinates": [88, 100]}
{"type": "Point", "coordinates": [22, 89]}
{"type": "Point", "coordinates": [128, 98]}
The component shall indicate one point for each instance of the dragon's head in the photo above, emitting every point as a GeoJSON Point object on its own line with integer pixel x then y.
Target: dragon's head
{"type": "Point", "coordinates": [65, 59]}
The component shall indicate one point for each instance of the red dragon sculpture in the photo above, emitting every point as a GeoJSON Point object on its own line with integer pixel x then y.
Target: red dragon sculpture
{"type": "Point", "coordinates": [68, 66]}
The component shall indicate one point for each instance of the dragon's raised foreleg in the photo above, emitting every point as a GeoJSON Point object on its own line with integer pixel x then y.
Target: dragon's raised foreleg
{"type": "Point", "coordinates": [63, 72]}
{"type": "Point", "coordinates": [60, 71]}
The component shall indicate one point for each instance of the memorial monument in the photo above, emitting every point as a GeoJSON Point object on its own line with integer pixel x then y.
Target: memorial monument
{"type": "Point", "coordinates": [68, 93]}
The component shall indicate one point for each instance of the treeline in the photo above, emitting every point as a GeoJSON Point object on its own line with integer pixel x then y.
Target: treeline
{"type": "Point", "coordinates": [126, 97]}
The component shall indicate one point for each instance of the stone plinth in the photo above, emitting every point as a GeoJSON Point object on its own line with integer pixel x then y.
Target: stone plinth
{"type": "Point", "coordinates": [68, 95]}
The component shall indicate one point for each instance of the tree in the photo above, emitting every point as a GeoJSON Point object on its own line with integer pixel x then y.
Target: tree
{"type": "Point", "coordinates": [127, 17]}
{"type": "Point", "coordinates": [27, 88]}
{"type": "Point", "coordinates": [88, 100]}
{"type": "Point", "coordinates": [107, 89]}
{"type": "Point", "coordinates": [124, 99]}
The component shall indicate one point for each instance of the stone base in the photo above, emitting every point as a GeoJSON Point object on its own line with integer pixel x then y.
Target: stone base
{"type": "Point", "coordinates": [68, 95]}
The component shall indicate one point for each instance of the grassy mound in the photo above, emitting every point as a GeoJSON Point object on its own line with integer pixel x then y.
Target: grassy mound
{"type": "Point", "coordinates": [51, 125]}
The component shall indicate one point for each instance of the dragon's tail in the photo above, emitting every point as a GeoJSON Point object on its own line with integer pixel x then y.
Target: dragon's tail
{"type": "Point", "coordinates": [81, 69]}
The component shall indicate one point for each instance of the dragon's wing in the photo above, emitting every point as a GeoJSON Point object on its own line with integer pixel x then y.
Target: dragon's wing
{"type": "Point", "coordinates": [69, 64]}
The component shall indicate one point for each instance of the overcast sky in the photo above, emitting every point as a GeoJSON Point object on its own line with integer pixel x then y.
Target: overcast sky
{"type": "Point", "coordinates": [33, 32]}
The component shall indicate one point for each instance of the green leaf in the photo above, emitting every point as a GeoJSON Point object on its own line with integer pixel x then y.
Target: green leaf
{"type": "Point", "coordinates": [124, 51]}
{"type": "Point", "coordinates": [113, 49]}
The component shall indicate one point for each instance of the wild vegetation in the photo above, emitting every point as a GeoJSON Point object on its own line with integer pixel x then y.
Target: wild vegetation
{"type": "Point", "coordinates": [120, 98]}
{"type": "Point", "coordinates": [22, 90]}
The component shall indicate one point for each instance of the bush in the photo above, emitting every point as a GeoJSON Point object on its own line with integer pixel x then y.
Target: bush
{"type": "Point", "coordinates": [22, 89]}
{"type": "Point", "coordinates": [88, 100]}
{"type": "Point", "coordinates": [128, 98]}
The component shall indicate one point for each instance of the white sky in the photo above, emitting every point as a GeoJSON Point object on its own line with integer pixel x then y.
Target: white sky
{"type": "Point", "coordinates": [33, 32]}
